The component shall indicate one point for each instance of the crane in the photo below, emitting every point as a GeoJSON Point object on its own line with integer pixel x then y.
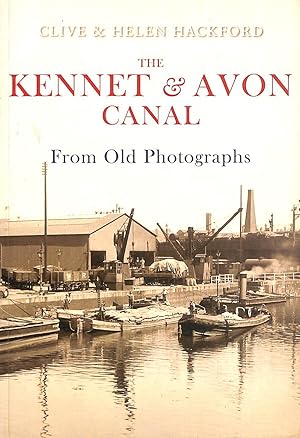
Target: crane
{"type": "Point", "coordinates": [203, 247]}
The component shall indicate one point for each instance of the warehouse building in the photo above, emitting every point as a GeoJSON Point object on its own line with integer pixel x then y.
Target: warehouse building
{"type": "Point", "coordinates": [73, 244]}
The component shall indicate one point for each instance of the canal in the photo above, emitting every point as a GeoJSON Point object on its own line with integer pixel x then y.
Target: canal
{"type": "Point", "coordinates": [153, 383]}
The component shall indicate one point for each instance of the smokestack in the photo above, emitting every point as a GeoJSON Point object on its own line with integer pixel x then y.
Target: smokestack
{"type": "Point", "coordinates": [243, 287]}
{"type": "Point", "coordinates": [250, 222]}
{"type": "Point", "coordinates": [208, 223]}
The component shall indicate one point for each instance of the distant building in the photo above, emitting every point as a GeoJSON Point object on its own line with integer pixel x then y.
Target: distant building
{"type": "Point", "coordinates": [74, 244]}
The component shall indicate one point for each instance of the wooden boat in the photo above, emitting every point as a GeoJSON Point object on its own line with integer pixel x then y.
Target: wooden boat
{"type": "Point", "coordinates": [120, 320]}
{"type": "Point", "coordinates": [198, 341]}
{"type": "Point", "coordinates": [145, 302]}
{"type": "Point", "coordinates": [23, 332]}
{"type": "Point", "coordinates": [225, 323]}
{"type": "Point", "coordinates": [231, 301]}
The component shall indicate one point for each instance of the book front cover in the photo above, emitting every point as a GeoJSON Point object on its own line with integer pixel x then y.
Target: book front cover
{"type": "Point", "coordinates": [165, 107]}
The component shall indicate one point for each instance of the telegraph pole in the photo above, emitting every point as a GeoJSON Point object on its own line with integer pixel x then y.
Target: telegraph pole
{"type": "Point", "coordinates": [295, 216]}
{"type": "Point", "coordinates": [241, 225]}
{"type": "Point", "coordinates": [44, 172]}
{"type": "Point", "coordinates": [218, 273]}
{"type": "Point", "coordinates": [1, 262]}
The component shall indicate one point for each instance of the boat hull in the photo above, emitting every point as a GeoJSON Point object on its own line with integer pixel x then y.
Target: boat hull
{"type": "Point", "coordinates": [217, 325]}
{"type": "Point", "coordinates": [145, 324]}
{"type": "Point", "coordinates": [232, 301]}
{"type": "Point", "coordinates": [119, 321]}
{"type": "Point", "coordinates": [24, 332]}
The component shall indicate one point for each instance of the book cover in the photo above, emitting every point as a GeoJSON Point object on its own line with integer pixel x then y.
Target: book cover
{"type": "Point", "coordinates": [165, 107]}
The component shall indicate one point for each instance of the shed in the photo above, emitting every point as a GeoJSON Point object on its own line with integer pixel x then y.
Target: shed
{"type": "Point", "coordinates": [72, 243]}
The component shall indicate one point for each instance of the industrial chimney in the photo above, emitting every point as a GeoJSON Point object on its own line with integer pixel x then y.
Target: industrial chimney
{"type": "Point", "coordinates": [250, 221]}
{"type": "Point", "coordinates": [208, 223]}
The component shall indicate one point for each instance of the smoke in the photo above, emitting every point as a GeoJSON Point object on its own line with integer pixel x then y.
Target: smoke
{"type": "Point", "coordinates": [267, 266]}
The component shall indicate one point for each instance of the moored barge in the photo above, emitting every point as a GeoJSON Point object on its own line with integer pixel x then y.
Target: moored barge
{"type": "Point", "coordinates": [120, 320]}
{"type": "Point", "coordinates": [23, 332]}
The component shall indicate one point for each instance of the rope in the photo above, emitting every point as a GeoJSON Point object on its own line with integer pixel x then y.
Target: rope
{"type": "Point", "coordinates": [15, 318]}
{"type": "Point", "coordinates": [29, 304]}
{"type": "Point", "coordinates": [19, 307]}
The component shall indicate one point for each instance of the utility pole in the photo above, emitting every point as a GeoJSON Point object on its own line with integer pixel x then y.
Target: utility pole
{"type": "Point", "coordinates": [295, 216]}
{"type": "Point", "coordinates": [241, 223]}
{"type": "Point", "coordinates": [40, 256]}
{"type": "Point", "coordinates": [271, 222]}
{"type": "Point", "coordinates": [44, 172]}
{"type": "Point", "coordinates": [1, 261]}
{"type": "Point", "coordinates": [218, 273]}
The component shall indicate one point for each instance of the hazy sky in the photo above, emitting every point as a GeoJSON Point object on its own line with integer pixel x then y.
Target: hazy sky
{"type": "Point", "coordinates": [263, 127]}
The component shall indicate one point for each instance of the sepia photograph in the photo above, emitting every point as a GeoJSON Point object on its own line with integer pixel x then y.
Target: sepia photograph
{"type": "Point", "coordinates": [149, 219]}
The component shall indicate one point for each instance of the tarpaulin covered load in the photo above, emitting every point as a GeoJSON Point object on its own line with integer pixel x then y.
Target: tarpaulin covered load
{"type": "Point", "coordinates": [151, 313]}
{"type": "Point", "coordinates": [169, 265]}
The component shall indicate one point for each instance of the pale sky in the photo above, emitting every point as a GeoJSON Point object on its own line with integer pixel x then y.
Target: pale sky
{"type": "Point", "coordinates": [179, 195]}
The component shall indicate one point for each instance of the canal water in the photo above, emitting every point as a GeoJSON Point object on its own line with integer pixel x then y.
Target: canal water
{"type": "Point", "coordinates": [153, 383]}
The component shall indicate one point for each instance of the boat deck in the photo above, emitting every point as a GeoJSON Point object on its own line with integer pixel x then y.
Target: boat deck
{"type": "Point", "coordinates": [16, 329]}
{"type": "Point", "coordinates": [253, 299]}
{"type": "Point", "coordinates": [120, 320]}
{"type": "Point", "coordinates": [18, 322]}
{"type": "Point", "coordinates": [219, 324]}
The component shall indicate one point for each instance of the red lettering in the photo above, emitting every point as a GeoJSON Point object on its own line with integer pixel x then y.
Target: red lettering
{"type": "Point", "coordinates": [155, 118]}
{"type": "Point", "coordinates": [66, 84]}
{"type": "Point", "coordinates": [188, 118]}
{"type": "Point", "coordinates": [206, 85]}
{"type": "Point", "coordinates": [173, 114]}
{"type": "Point", "coordinates": [138, 83]}
{"type": "Point", "coordinates": [104, 116]}
{"type": "Point", "coordinates": [40, 84]}
{"type": "Point", "coordinates": [276, 79]}
{"type": "Point", "coordinates": [89, 80]}
{"type": "Point", "coordinates": [113, 85]}
{"type": "Point", "coordinates": [227, 89]}
{"type": "Point", "coordinates": [262, 81]}
{"type": "Point", "coordinates": [16, 85]}
{"type": "Point", "coordinates": [130, 114]}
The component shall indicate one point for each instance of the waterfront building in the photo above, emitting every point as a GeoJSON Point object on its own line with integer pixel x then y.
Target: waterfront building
{"type": "Point", "coordinates": [73, 243]}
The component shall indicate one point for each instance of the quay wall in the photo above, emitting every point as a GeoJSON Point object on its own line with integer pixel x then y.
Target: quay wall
{"type": "Point", "coordinates": [287, 287]}
{"type": "Point", "coordinates": [22, 303]}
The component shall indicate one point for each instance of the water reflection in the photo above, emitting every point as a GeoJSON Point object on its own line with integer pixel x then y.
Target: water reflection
{"type": "Point", "coordinates": [241, 343]}
{"type": "Point", "coordinates": [27, 358]}
{"type": "Point", "coordinates": [124, 383]}
{"type": "Point", "coordinates": [43, 383]}
{"type": "Point", "coordinates": [151, 380]}
{"type": "Point", "coordinates": [31, 360]}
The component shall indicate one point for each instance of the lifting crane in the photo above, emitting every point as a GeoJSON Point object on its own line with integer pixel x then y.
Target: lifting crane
{"type": "Point", "coordinates": [203, 247]}
{"type": "Point", "coordinates": [116, 271]}
{"type": "Point", "coordinates": [199, 267]}
{"type": "Point", "coordinates": [120, 240]}
{"type": "Point", "coordinates": [179, 253]}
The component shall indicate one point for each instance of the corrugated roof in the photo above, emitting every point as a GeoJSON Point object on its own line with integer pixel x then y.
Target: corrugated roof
{"type": "Point", "coordinates": [56, 226]}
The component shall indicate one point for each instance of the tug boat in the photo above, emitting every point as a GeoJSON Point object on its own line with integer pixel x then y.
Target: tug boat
{"type": "Point", "coordinates": [226, 323]}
